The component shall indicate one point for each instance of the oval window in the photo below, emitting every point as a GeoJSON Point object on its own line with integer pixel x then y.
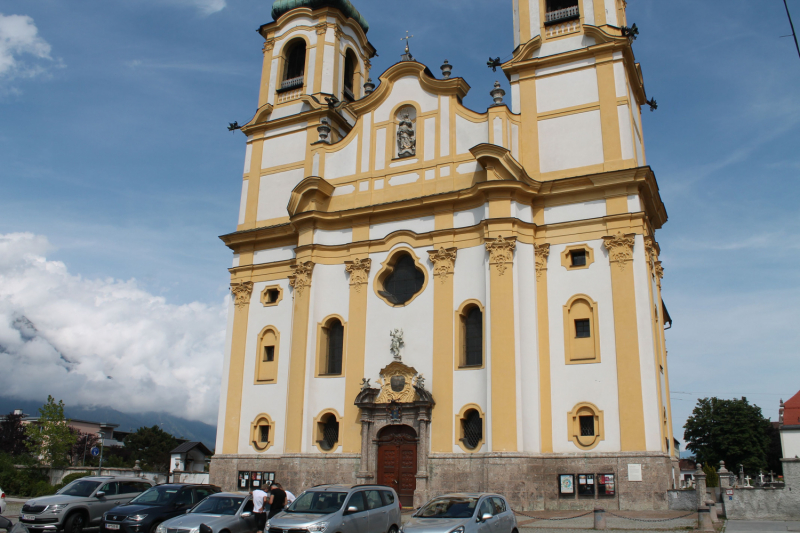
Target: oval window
{"type": "Point", "coordinates": [404, 282]}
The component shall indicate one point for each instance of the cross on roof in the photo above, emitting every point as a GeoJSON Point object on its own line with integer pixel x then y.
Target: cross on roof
{"type": "Point", "coordinates": [406, 39]}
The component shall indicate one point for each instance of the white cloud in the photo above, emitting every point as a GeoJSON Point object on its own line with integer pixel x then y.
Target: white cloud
{"type": "Point", "coordinates": [206, 7]}
{"type": "Point", "coordinates": [23, 54]}
{"type": "Point", "coordinates": [103, 342]}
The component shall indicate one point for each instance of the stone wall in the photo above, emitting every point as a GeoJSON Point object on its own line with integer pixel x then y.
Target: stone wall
{"type": "Point", "coordinates": [767, 504]}
{"type": "Point", "coordinates": [682, 500]}
{"type": "Point", "coordinates": [56, 475]}
{"type": "Point", "coordinates": [530, 482]}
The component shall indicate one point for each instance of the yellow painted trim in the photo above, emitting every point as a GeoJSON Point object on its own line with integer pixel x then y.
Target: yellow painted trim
{"type": "Point", "coordinates": [318, 423]}
{"type": "Point", "coordinates": [321, 353]}
{"type": "Point", "coordinates": [461, 415]}
{"type": "Point", "coordinates": [444, 261]}
{"type": "Point", "coordinates": [269, 376]}
{"type": "Point", "coordinates": [264, 295]}
{"type": "Point", "coordinates": [617, 205]}
{"type": "Point", "coordinates": [460, 355]}
{"type": "Point", "coordinates": [350, 425]}
{"type": "Point", "coordinates": [570, 357]}
{"type": "Point", "coordinates": [566, 260]}
{"type": "Point", "coordinates": [295, 397]}
{"type": "Point", "coordinates": [574, 426]}
{"type": "Point", "coordinates": [566, 111]}
{"type": "Point", "coordinates": [233, 405]}
{"type": "Point", "coordinates": [609, 118]}
{"type": "Point", "coordinates": [387, 267]}
{"type": "Point", "coordinates": [543, 333]}
{"type": "Point", "coordinates": [262, 420]}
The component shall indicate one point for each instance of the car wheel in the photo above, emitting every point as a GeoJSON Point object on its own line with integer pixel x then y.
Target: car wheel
{"type": "Point", "coordinates": [154, 527]}
{"type": "Point", "coordinates": [75, 523]}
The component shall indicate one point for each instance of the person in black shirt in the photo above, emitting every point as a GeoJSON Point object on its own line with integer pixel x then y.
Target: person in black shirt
{"type": "Point", "coordinates": [277, 500]}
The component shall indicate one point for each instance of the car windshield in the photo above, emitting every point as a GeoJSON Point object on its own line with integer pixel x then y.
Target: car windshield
{"type": "Point", "coordinates": [156, 496]}
{"type": "Point", "coordinates": [452, 507]}
{"type": "Point", "coordinates": [80, 487]}
{"type": "Point", "coordinates": [318, 502]}
{"type": "Point", "coordinates": [219, 505]}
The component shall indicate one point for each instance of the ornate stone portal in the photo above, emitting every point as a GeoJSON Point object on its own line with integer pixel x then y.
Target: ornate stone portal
{"type": "Point", "coordinates": [400, 401]}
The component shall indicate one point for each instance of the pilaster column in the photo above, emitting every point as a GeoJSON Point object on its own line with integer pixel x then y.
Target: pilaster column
{"type": "Point", "coordinates": [242, 291]}
{"type": "Point", "coordinates": [421, 492]}
{"type": "Point", "coordinates": [444, 261]}
{"type": "Point", "coordinates": [300, 280]}
{"type": "Point", "coordinates": [266, 70]}
{"type": "Point", "coordinates": [543, 333]}
{"type": "Point", "coordinates": [503, 355]}
{"type": "Point", "coordinates": [609, 117]}
{"type": "Point", "coordinates": [626, 334]}
{"type": "Point", "coordinates": [354, 364]}
{"type": "Point", "coordinates": [364, 470]}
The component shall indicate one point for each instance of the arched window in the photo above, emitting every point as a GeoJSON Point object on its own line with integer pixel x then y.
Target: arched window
{"type": "Point", "coordinates": [350, 67]}
{"type": "Point", "coordinates": [470, 426]}
{"type": "Point", "coordinates": [262, 432]}
{"type": "Point", "coordinates": [585, 424]}
{"type": "Point", "coordinates": [295, 65]}
{"type": "Point", "coordinates": [332, 346]}
{"type": "Point", "coordinates": [470, 334]}
{"type": "Point", "coordinates": [267, 356]}
{"type": "Point", "coordinates": [327, 435]}
{"type": "Point", "coordinates": [560, 10]}
{"type": "Point", "coordinates": [581, 338]}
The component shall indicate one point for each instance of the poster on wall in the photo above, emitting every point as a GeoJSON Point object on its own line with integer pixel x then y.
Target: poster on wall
{"type": "Point", "coordinates": [634, 472]}
{"type": "Point", "coordinates": [244, 480]}
{"type": "Point", "coordinates": [605, 485]}
{"type": "Point", "coordinates": [566, 484]}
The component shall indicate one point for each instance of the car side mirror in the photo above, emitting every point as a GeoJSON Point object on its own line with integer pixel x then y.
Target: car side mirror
{"type": "Point", "coordinates": [188, 511]}
{"type": "Point", "coordinates": [100, 494]}
{"type": "Point", "coordinates": [205, 529]}
{"type": "Point", "coordinates": [485, 517]}
{"type": "Point", "coordinates": [352, 509]}
{"type": "Point", "coordinates": [247, 514]}
{"type": "Point", "coordinates": [5, 523]}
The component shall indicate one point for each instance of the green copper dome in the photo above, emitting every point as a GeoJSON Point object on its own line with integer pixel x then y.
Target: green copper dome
{"type": "Point", "coordinates": [284, 6]}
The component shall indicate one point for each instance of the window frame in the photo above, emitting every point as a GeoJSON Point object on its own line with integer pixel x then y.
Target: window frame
{"type": "Point", "coordinates": [267, 371]}
{"type": "Point", "coordinates": [286, 52]}
{"type": "Point", "coordinates": [460, 417]}
{"type": "Point", "coordinates": [461, 316]}
{"type": "Point", "coordinates": [573, 343]}
{"type": "Point", "coordinates": [582, 442]}
{"type": "Point", "coordinates": [319, 423]}
{"type": "Point", "coordinates": [355, 64]}
{"type": "Point", "coordinates": [262, 419]}
{"type": "Point", "coordinates": [265, 295]}
{"type": "Point", "coordinates": [387, 268]}
{"type": "Point", "coordinates": [321, 370]}
{"type": "Point", "coordinates": [566, 256]}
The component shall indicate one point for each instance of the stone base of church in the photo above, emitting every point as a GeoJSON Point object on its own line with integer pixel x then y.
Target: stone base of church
{"type": "Point", "coordinates": [530, 482]}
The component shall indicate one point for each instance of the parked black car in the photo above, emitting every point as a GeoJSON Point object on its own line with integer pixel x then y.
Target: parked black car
{"type": "Point", "coordinates": [150, 508]}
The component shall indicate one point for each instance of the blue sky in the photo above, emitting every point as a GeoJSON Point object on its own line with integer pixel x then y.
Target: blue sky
{"type": "Point", "coordinates": [114, 153]}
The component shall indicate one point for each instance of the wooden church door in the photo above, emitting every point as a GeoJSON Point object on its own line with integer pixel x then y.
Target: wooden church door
{"type": "Point", "coordinates": [397, 461]}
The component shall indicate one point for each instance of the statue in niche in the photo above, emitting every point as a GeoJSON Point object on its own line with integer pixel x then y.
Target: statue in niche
{"type": "Point", "coordinates": [406, 138]}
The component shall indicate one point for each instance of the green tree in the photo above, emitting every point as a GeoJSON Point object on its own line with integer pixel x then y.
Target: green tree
{"type": "Point", "coordinates": [728, 430]}
{"type": "Point", "coordinates": [712, 478]}
{"type": "Point", "coordinates": [151, 446]}
{"type": "Point", "coordinates": [12, 435]}
{"type": "Point", "coordinates": [50, 438]}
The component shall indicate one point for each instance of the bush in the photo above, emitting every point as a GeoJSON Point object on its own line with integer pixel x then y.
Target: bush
{"type": "Point", "coordinates": [22, 481]}
{"type": "Point", "coordinates": [712, 478]}
{"type": "Point", "coordinates": [41, 488]}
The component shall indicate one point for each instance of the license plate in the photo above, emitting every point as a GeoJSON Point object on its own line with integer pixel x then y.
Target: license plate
{"type": "Point", "coordinates": [112, 526]}
{"type": "Point", "coordinates": [28, 517]}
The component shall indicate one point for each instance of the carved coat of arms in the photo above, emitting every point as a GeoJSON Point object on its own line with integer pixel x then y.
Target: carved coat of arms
{"type": "Point", "coordinates": [397, 384]}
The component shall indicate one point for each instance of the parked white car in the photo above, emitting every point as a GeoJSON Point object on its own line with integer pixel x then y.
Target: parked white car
{"type": "Point", "coordinates": [2, 502]}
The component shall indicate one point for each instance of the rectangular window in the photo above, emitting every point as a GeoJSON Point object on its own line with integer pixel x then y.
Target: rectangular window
{"type": "Point", "coordinates": [583, 328]}
{"type": "Point", "coordinates": [269, 354]}
{"type": "Point", "coordinates": [578, 258]}
{"type": "Point", "coordinates": [263, 434]}
{"type": "Point", "coordinates": [587, 426]}
{"type": "Point", "coordinates": [605, 486]}
{"type": "Point", "coordinates": [586, 486]}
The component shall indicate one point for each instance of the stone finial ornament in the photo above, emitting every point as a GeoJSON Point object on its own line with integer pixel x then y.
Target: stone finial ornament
{"type": "Point", "coordinates": [369, 87]}
{"type": "Point", "coordinates": [324, 130]}
{"type": "Point", "coordinates": [497, 93]}
{"type": "Point", "coordinates": [447, 68]}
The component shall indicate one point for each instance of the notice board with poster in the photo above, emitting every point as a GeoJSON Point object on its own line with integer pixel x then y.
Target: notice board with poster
{"type": "Point", "coordinates": [566, 486]}
{"type": "Point", "coordinates": [244, 481]}
{"type": "Point", "coordinates": [606, 487]}
{"type": "Point", "coordinates": [261, 480]}
{"type": "Point", "coordinates": [586, 486]}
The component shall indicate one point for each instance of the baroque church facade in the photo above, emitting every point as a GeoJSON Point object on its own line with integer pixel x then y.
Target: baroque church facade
{"type": "Point", "coordinates": [440, 299]}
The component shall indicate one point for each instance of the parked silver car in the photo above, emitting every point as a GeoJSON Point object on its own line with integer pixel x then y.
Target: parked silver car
{"type": "Point", "coordinates": [341, 509]}
{"type": "Point", "coordinates": [81, 504]}
{"type": "Point", "coordinates": [226, 512]}
{"type": "Point", "coordinates": [463, 513]}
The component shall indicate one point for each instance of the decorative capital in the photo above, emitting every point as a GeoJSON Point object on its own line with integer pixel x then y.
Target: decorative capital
{"type": "Point", "coordinates": [659, 271]}
{"type": "Point", "coordinates": [269, 45]}
{"type": "Point", "coordinates": [620, 248]}
{"type": "Point", "coordinates": [501, 253]}
{"type": "Point", "coordinates": [542, 253]}
{"type": "Point", "coordinates": [444, 262]}
{"type": "Point", "coordinates": [337, 31]}
{"type": "Point", "coordinates": [242, 292]}
{"type": "Point", "coordinates": [359, 272]}
{"type": "Point", "coordinates": [322, 27]}
{"type": "Point", "coordinates": [301, 276]}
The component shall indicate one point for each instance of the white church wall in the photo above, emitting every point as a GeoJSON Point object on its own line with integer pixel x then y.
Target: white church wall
{"type": "Point", "coordinates": [444, 129]}
{"type": "Point", "coordinates": [634, 204]}
{"type": "Point", "coordinates": [527, 346]}
{"type": "Point", "coordinates": [611, 12]}
{"type": "Point", "coordinates": [273, 255]}
{"type": "Point", "coordinates": [523, 212]}
{"type": "Point", "coordinates": [342, 162]}
{"type": "Point", "coordinates": [417, 225]}
{"type": "Point", "coordinates": [430, 138]}
{"type": "Point", "coordinates": [650, 374]}
{"type": "Point", "coordinates": [587, 10]}
{"type": "Point", "coordinates": [274, 193]}
{"type": "Point", "coordinates": [333, 237]}
{"type": "Point", "coordinates": [578, 211]}
{"type": "Point", "coordinates": [415, 319]}
{"type": "Point", "coordinates": [236, 260]}
{"type": "Point", "coordinates": [560, 46]}
{"type": "Point", "coordinates": [471, 386]}
{"type": "Point", "coordinates": [270, 399]}
{"type": "Point", "coordinates": [406, 89]}
{"type": "Point", "coordinates": [625, 133]}
{"type": "Point", "coordinates": [299, 21]}
{"type": "Point", "coordinates": [284, 150]}
{"type": "Point", "coordinates": [380, 149]}
{"type": "Point", "coordinates": [328, 57]}
{"type": "Point", "coordinates": [243, 202]}
{"type": "Point", "coordinates": [273, 80]}
{"type": "Point", "coordinates": [287, 110]}
{"type": "Point", "coordinates": [330, 295]}
{"type": "Point", "coordinates": [564, 67]}
{"type": "Point", "coordinates": [470, 217]}
{"type": "Point", "coordinates": [620, 79]}
{"type": "Point", "coordinates": [567, 89]}
{"type": "Point", "coordinates": [366, 139]}
{"type": "Point", "coordinates": [570, 141]}
{"type": "Point", "coordinates": [595, 383]}
{"type": "Point", "coordinates": [790, 443]}
{"type": "Point", "coordinates": [469, 134]}
{"type": "Point", "coordinates": [225, 375]}
{"type": "Point", "coordinates": [248, 156]}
